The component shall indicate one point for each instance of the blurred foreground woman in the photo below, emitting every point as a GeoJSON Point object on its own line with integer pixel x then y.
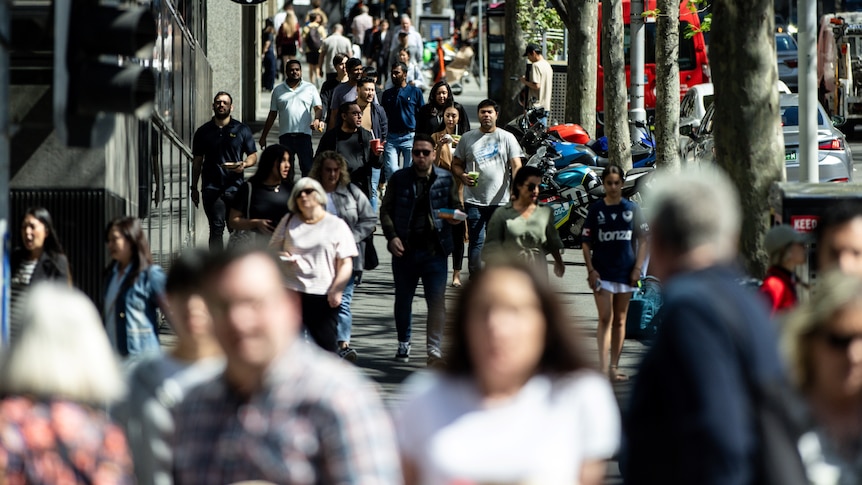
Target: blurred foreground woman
{"type": "Point", "coordinates": [54, 380]}
{"type": "Point", "coordinates": [822, 341]}
{"type": "Point", "coordinates": [516, 402]}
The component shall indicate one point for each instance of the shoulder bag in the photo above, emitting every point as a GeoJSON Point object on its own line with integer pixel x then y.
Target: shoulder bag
{"type": "Point", "coordinates": [244, 237]}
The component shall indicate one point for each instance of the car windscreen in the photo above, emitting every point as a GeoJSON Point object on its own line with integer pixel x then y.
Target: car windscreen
{"type": "Point", "coordinates": [790, 116]}
{"type": "Point", "coordinates": [784, 43]}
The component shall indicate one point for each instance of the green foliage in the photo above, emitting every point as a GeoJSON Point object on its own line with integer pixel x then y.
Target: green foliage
{"type": "Point", "coordinates": [537, 16]}
{"type": "Point", "coordinates": [695, 6]}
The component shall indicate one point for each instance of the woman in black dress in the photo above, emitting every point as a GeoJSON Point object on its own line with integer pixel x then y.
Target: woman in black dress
{"type": "Point", "coordinates": [262, 201]}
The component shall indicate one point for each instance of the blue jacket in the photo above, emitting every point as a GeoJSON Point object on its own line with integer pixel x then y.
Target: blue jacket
{"type": "Point", "coordinates": [690, 418]}
{"type": "Point", "coordinates": [134, 311]}
{"type": "Point", "coordinates": [396, 210]}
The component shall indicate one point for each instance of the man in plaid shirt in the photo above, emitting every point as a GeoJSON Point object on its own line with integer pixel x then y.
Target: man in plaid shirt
{"type": "Point", "coordinates": [282, 412]}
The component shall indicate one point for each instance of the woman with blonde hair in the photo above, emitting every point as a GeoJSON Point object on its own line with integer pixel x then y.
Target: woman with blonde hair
{"type": "Point", "coordinates": [317, 250]}
{"type": "Point", "coordinates": [55, 379]}
{"type": "Point", "coordinates": [287, 38]}
{"type": "Point", "coordinates": [346, 201]}
{"type": "Point", "coordinates": [822, 341]}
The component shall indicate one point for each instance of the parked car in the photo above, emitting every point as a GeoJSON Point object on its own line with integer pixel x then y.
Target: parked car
{"type": "Point", "coordinates": [788, 60]}
{"type": "Point", "coordinates": [835, 161]}
{"type": "Point", "coordinates": [694, 105]}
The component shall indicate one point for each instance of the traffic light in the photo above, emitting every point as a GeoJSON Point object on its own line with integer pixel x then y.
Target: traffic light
{"type": "Point", "coordinates": [93, 76]}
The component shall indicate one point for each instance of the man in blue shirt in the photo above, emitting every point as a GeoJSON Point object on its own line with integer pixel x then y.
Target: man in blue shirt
{"type": "Point", "coordinates": [218, 148]}
{"type": "Point", "coordinates": [401, 102]}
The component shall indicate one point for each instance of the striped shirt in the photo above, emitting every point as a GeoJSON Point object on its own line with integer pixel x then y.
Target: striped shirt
{"type": "Point", "coordinates": [19, 283]}
{"type": "Point", "coordinates": [315, 420]}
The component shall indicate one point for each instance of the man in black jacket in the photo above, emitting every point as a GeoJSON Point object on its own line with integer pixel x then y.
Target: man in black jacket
{"type": "Point", "coordinates": [420, 242]}
{"type": "Point", "coordinates": [353, 142]}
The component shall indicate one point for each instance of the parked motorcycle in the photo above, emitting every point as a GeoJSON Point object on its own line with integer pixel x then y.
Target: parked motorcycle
{"type": "Point", "coordinates": [570, 191]}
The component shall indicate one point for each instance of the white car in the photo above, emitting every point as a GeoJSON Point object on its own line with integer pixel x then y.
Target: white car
{"type": "Point", "coordinates": [694, 105]}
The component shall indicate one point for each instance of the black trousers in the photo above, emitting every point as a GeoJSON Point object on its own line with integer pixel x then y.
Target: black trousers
{"type": "Point", "coordinates": [320, 320]}
{"type": "Point", "coordinates": [216, 206]}
{"type": "Point", "coordinates": [299, 146]}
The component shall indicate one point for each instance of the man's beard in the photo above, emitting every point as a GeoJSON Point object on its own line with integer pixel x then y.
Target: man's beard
{"type": "Point", "coordinates": [220, 116]}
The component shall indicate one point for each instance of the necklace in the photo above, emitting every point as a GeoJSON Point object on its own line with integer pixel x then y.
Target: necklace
{"type": "Point", "coordinates": [274, 188]}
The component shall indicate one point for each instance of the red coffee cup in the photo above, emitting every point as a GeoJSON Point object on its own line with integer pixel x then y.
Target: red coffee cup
{"type": "Point", "coordinates": [376, 145]}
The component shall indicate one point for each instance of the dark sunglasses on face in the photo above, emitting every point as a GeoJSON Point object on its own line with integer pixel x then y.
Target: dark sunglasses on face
{"type": "Point", "coordinates": [304, 192]}
{"type": "Point", "coordinates": [838, 341]}
{"type": "Point", "coordinates": [421, 153]}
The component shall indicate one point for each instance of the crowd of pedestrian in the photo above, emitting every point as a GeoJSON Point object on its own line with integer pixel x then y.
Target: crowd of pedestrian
{"type": "Point", "coordinates": [259, 384]}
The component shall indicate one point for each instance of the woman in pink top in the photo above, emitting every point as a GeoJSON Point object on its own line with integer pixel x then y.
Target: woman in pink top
{"type": "Point", "coordinates": [316, 248]}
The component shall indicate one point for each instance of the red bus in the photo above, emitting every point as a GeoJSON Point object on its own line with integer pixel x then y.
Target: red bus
{"type": "Point", "coordinates": [693, 63]}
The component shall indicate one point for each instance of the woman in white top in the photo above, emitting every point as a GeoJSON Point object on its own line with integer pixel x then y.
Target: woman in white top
{"type": "Point", "coordinates": [316, 248]}
{"type": "Point", "coordinates": [516, 402]}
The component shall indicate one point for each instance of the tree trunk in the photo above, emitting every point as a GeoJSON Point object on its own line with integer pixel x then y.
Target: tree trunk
{"type": "Point", "coordinates": [582, 61]}
{"type": "Point", "coordinates": [748, 138]}
{"type": "Point", "coordinates": [616, 104]}
{"type": "Point", "coordinates": [437, 6]}
{"type": "Point", "coordinates": [667, 85]}
{"type": "Point", "coordinates": [514, 65]}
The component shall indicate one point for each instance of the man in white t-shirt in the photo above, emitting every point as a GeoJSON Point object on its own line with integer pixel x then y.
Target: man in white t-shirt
{"type": "Point", "coordinates": [541, 77]}
{"type": "Point", "coordinates": [485, 161]}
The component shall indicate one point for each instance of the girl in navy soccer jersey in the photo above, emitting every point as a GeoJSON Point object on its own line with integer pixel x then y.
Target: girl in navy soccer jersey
{"type": "Point", "coordinates": [614, 244]}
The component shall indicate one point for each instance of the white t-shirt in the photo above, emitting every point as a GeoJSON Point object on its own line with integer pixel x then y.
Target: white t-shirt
{"type": "Point", "coordinates": [488, 154]}
{"type": "Point", "coordinates": [543, 435]}
{"type": "Point", "coordinates": [295, 107]}
{"type": "Point", "coordinates": [316, 248]}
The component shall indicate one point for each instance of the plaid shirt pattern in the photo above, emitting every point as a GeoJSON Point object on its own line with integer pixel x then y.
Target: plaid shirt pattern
{"type": "Point", "coordinates": [316, 420]}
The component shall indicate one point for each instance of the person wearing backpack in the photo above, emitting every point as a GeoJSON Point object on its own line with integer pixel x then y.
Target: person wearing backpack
{"type": "Point", "coordinates": [312, 37]}
{"type": "Point", "coordinates": [696, 410]}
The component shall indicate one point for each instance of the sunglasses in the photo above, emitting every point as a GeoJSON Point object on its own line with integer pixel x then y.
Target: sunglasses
{"type": "Point", "coordinates": [839, 341]}
{"type": "Point", "coordinates": [304, 192]}
{"type": "Point", "coordinates": [421, 153]}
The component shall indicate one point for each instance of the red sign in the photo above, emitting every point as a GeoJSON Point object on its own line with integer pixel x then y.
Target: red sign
{"type": "Point", "coordinates": [804, 223]}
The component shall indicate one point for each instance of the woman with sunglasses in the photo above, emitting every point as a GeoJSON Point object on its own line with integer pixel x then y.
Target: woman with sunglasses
{"type": "Point", "coordinates": [346, 201]}
{"type": "Point", "coordinates": [316, 248]}
{"type": "Point", "coordinates": [822, 342]}
{"type": "Point", "coordinates": [445, 142]}
{"type": "Point", "coordinates": [524, 227]}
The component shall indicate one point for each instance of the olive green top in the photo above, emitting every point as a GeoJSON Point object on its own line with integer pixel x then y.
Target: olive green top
{"type": "Point", "coordinates": [530, 237]}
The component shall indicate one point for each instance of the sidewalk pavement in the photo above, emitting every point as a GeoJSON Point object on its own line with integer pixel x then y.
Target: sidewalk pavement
{"type": "Point", "coordinates": [374, 335]}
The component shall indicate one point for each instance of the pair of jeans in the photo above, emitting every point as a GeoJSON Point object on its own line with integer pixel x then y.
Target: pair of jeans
{"type": "Point", "coordinates": [320, 320]}
{"type": "Point", "coordinates": [299, 146]}
{"type": "Point", "coordinates": [458, 232]}
{"type": "Point", "coordinates": [345, 317]}
{"type": "Point", "coordinates": [433, 270]}
{"type": "Point", "coordinates": [396, 144]}
{"type": "Point", "coordinates": [216, 205]}
{"type": "Point", "coordinates": [477, 221]}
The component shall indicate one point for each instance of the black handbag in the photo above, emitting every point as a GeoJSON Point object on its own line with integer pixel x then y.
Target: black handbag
{"type": "Point", "coordinates": [371, 260]}
{"type": "Point", "coordinates": [244, 237]}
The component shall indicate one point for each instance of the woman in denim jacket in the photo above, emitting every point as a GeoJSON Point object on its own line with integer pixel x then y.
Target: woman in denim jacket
{"type": "Point", "coordinates": [135, 288]}
{"type": "Point", "coordinates": [346, 201]}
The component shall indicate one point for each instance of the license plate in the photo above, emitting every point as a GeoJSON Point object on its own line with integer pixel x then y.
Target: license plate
{"type": "Point", "coordinates": [789, 156]}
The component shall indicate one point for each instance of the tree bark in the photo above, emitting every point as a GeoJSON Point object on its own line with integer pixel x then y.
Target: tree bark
{"type": "Point", "coordinates": [514, 65]}
{"type": "Point", "coordinates": [582, 61]}
{"type": "Point", "coordinates": [748, 138]}
{"type": "Point", "coordinates": [616, 103]}
{"type": "Point", "coordinates": [667, 85]}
